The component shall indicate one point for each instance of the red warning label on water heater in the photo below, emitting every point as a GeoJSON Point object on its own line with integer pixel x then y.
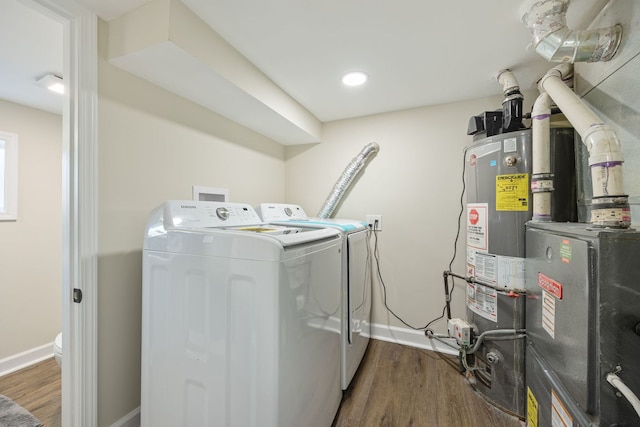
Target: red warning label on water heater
{"type": "Point", "coordinates": [474, 216]}
{"type": "Point", "coordinates": [550, 285]}
{"type": "Point", "coordinates": [477, 226]}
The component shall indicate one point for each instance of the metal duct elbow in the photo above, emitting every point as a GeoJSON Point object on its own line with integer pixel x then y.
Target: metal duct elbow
{"type": "Point", "coordinates": [556, 43]}
{"type": "Point", "coordinates": [346, 179]}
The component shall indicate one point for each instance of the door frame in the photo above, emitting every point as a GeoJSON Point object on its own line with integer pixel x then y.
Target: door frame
{"type": "Point", "coordinates": [79, 209]}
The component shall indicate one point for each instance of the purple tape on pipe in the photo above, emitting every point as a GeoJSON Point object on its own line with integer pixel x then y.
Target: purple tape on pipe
{"type": "Point", "coordinates": [541, 116]}
{"type": "Point", "coordinates": [607, 164]}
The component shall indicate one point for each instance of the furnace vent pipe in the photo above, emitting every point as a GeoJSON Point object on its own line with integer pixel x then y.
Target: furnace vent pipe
{"type": "Point", "coordinates": [609, 205]}
{"type": "Point", "coordinates": [546, 19]}
{"type": "Point", "coordinates": [541, 177]}
{"type": "Point", "coordinates": [512, 103]}
{"type": "Point", "coordinates": [346, 179]}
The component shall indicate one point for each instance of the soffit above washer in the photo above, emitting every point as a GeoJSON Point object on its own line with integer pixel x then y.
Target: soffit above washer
{"type": "Point", "coordinates": [165, 43]}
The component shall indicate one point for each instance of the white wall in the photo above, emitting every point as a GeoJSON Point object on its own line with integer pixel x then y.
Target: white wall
{"type": "Point", "coordinates": [31, 247]}
{"type": "Point", "coordinates": [414, 182]}
{"type": "Point", "coordinates": [154, 146]}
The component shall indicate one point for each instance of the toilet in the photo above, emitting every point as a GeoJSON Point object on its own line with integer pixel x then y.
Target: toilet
{"type": "Point", "coordinates": [57, 349]}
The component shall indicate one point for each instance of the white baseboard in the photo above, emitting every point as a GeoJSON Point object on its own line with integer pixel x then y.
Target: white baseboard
{"type": "Point", "coordinates": [132, 419]}
{"type": "Point", "coordinates": [411, 338]}
{"type": "Point", "coordinates": [25, 359]}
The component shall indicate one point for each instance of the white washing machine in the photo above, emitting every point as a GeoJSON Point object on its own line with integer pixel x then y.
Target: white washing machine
{"type": "Point", "coordinates": [356, 279]}
{"type": "Point", "coordinates": [239, 321]}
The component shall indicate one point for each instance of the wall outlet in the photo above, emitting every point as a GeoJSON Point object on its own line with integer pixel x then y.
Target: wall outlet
{"type": "Point", "coordinates": [375, 222]}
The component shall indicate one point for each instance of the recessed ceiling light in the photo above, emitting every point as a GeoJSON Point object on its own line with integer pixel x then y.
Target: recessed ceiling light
{"type": "Point", "coordinates": [51, 82]}
{"type": "Point", "coordinates": [355, 78]}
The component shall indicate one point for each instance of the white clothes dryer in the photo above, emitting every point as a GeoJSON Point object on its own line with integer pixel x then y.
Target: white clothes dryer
{"type": "Point", "coordinates": [238, 319]}
{"type": "Point", "coordinates": [356, 279]}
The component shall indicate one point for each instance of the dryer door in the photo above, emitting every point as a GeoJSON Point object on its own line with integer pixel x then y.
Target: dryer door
{"type": "Point", "coordinates": [359, 286]}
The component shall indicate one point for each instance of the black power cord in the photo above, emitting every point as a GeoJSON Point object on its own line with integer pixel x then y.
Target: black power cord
{"type": "Point", "coordinates": [448, 294]}
{"type": "Point", "coordinates": [455, 252]}
{"type": "Point", "coordinates": [384, 287]}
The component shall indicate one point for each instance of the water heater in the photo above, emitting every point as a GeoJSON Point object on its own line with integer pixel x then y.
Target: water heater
{"type": "Point", "coordinates": [498, 178]}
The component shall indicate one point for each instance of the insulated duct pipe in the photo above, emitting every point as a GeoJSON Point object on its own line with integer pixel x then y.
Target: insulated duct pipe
{"type": "Point", "coordinates": [546, 19]}
{"type": "Point", "coordinates": [512, 103]}
{"type": "Point", "coordinates": [609, 205]}
{"type": "Point", "coordinates": [346, 179]}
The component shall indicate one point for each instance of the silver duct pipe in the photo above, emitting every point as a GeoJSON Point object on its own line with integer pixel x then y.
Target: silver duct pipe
{"type": "Point", "coordinates": [346, 179]}
{"type": "Point", "coordinates": [556, 43]}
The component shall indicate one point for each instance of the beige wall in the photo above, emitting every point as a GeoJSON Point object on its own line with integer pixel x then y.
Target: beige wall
{"type": "Point", "coordinates": [31, 247]}
{"type": "Point", "coordinates": [154, 146]}
{"type": "Point", "coordinates": [414, 182]}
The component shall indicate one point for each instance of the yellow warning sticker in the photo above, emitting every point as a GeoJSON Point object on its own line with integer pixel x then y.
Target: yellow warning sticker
{"type": "Point", "coordinates": [512, 192]}
{"type": "Point", "coordinates": [532, 409]}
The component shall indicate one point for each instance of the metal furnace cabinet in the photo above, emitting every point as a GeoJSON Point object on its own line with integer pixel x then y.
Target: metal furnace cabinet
{"type": "Point", "coordinates": [583, 322]}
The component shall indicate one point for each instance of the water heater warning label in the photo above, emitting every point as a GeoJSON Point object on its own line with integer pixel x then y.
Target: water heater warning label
{"type": "Point", "coordinates": [512, 192]}
{"type": "Point", "coordinates": [477, 226]}
{"type": "Point", "coordinates": [483, 300]}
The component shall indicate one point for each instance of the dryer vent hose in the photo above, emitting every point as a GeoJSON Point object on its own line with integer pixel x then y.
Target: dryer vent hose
{"type": "Point", "coordinates": [346, 179]}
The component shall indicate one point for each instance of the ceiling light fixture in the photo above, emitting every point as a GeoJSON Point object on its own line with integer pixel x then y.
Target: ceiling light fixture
{"type": "Point", "coordinates": [355, 78]}
{"type": "Point", "coordinates": [52, 82]}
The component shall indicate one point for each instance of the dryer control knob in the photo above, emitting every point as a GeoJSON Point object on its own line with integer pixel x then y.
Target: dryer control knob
{"type": "Point", "coordinates": [288, 211]}
{"type": "Point", "coordinates": [223, 213]}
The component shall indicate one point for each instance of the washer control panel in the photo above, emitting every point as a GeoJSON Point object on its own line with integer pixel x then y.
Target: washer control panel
{"type": "Point", "coordinates": [200, 214]}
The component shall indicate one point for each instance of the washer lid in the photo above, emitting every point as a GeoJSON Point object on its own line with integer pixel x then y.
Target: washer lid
{"type": "Point", "coordinates": [290, 234]}
{"type": "Point", "coordinates": [284, 213]}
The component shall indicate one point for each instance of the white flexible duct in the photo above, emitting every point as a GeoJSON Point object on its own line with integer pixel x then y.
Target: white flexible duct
{"type": "Point", "coordinates": [541, 178]}
{"type": "Point", "coordinates": [555, 42]}
{"type": "Point", "coordinates": [344, 182]}
{"type": "Point", "coordinates": [615, 381]}
{"type": "Point", "coordinates": [609, 204]}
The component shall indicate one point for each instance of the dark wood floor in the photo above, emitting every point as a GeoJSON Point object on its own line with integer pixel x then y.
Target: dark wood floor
{"type": "Point", "coordinates": [396, 386]}
{"type": "Point", "coordinates": [38, 389]}
{"type": "Point", "coordinates": [400, 386]}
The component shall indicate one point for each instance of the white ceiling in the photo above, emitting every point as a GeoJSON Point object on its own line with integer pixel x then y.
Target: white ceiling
{"type": "Point", "coordinates": [31, 47]}
{"type": "Point", "coordinates": [417, 52]}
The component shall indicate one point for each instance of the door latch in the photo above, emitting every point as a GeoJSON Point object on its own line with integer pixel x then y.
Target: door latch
{"type": "Point", "coordinates": [77, 295]}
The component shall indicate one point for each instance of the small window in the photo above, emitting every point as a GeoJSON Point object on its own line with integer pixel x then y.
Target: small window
{"type": "Point", "coordinates": [8, 176]}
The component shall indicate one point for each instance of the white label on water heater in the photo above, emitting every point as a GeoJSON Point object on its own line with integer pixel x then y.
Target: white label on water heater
{"type": "Point", "coordinates": [510, 145]}
{"type": "Point", "coordinates": [477, 226]}
{"type": "Point", "coordinates": [482, 300]}
{"type": "Point", "coordinates": [486, 267]}
{"type": "Point", "coordinates": [511, 272]}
